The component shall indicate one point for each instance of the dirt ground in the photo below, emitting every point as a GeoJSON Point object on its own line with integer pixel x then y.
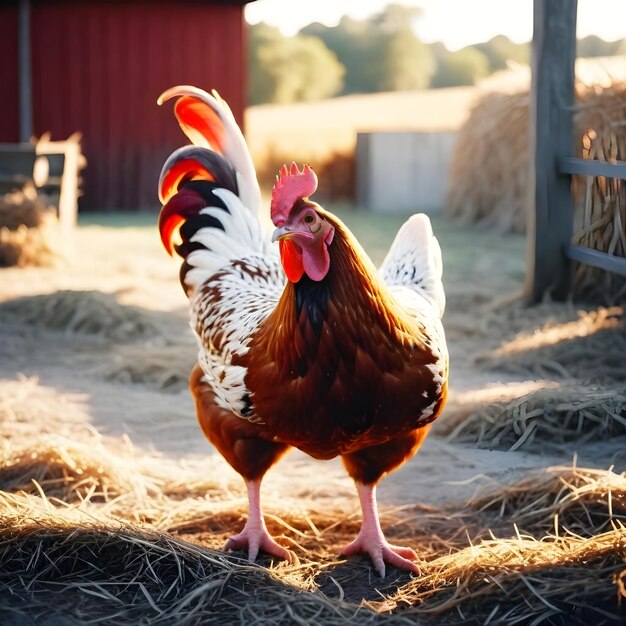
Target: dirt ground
{"type": "Point", "coordinates": [129, 267]}
{"type": "Point", "coordinates": [115, 355]}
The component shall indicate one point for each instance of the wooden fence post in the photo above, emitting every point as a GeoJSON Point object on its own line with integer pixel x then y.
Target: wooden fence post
{"type": "Point", "coordinates": [25, 94]}
{"type": "Point", "coordinates": [550, 210]}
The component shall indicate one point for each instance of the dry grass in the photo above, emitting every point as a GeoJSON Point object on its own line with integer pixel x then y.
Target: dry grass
{"type": "Point", "coordinates": [29, 230]}
{"type": "Point", "coordinates": [335, 170]}
{"type": "Point", "coordinates": [49, 550]}
{"type": "Point", "coordinates": [579, 357]}
{"type": "Point", "coordinates": [160, 367]}
{"type": "Point", "coordinates": [591, 347]}
{"type": "Point", "coordinates": [543, 419]}
{"type": "Point", "coordinates": [92, 530]}
{"type": "Point", "coordinates": [601, 120]}
{"type": "Point", "coordinates": [85, 313]}
{"type": "Point", "coordinates": [134, 345]}
{"type": "Point", "coordinates": [27, 408]}
{"type": "Point", "coordinates": [48, 444]}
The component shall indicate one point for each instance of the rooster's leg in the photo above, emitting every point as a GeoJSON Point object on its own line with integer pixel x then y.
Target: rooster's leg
{"type": "Point", "coordinates": [254, 535]}
{"type": "Point", "coordinates": [240, 442]}
{"type": "Point", "coordinates": [372, 541]}
{"type": "Point", "coordinates": [367, 467]}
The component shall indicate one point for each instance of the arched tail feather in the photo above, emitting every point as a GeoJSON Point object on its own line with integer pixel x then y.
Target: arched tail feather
{"type": "Point", "coordinates": [180, 207]}
{"type": "Point", "coordinates": [208, 122]}
{"type": "Point", "coordinates": [194, 163]}
{"type": "Point", "coordinates": [209, 190]}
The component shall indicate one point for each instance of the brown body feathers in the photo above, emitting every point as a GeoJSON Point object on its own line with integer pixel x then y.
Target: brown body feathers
{"type": "Point", "coordinates": [338, 366]}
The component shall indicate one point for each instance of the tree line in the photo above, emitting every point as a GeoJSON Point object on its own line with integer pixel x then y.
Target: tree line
{"type": "Point", "coordinates": [381, 53]}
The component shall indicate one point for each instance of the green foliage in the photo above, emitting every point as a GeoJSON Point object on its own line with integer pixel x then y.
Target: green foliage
{"type": "Point", "coordinates": [592, 46]}
{"type": "Point", "coordinates": [290, 69]}
{"type": "Point", "coordinates": [356, 51]}
{"type": "Point", "coordinates": [501, 49]}
{"type": "Point", "coordinates": [464, 67]}
{"type": "Point", "coordinates": [407, 63]}
{"type": "Point", "coordinates": [470, 64]}
{"type": "Point", "coordinates": [381, 53]}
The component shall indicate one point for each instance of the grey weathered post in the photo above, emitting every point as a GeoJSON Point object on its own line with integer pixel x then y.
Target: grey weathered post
{"type": "Point", "coordinates": [550, 210]}
{"type": "Point", "coordinates": [24, 72]}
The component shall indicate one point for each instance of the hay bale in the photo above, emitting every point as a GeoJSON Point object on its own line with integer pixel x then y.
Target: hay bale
{"type": "Point", "coordinates": [488, 177]}
{"type": "Point", "coordinates": [29, 230]}
{"type": "Point", "coordinates": [84, 312]}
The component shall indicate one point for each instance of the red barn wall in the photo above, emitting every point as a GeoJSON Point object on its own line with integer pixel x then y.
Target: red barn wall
{"type": "Point", "coordinates": [98, 68]}
{"type": "Point", "coordinates": [9, 121]}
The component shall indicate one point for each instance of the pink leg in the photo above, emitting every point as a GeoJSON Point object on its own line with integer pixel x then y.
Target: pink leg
{"type": "Point", "coordinates": [372, 541]}
{"type": "Point", "coordinates": [254, 535]}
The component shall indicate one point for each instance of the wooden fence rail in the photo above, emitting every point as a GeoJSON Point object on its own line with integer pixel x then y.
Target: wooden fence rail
{"type": "Point", "coordinates": [551, 212]}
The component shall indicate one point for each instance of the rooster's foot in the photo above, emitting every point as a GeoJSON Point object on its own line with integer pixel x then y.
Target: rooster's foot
{"type": "Point", "coordinates": [382, 552]}
{"type": "Point", "coordinates": [257, 538]}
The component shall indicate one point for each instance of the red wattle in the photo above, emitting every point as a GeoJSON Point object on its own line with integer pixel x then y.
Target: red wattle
{"type": "Point", "coordinates": [316, 262]}
{"type": "Point", "coordinates": [291, 259]}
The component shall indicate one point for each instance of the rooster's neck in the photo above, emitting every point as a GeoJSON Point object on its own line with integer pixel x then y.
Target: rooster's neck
{"type": "Point", "coordinates": [311, 300]}
{"type": "Point", "coordinates": [351, 293]}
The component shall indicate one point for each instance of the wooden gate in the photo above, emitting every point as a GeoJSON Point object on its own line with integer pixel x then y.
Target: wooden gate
{"type": "Point", "coordinates": [550, 250]}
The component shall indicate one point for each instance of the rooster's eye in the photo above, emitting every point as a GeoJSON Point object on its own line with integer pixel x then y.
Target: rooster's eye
{"type": "Point", "coordinates": [309, 219]}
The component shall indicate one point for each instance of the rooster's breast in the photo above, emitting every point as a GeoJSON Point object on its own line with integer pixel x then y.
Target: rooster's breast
{"type": "Point", "coordinates": [329, 382]}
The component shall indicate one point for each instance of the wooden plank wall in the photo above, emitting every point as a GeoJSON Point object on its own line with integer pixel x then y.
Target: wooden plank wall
{"type": "Point", "coordinates": [98, 68]}
{"type": "Point", "coordinates": [9, 120]}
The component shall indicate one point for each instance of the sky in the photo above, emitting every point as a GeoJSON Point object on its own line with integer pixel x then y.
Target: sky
{"type": "Point", "coordinates": [455, 22]}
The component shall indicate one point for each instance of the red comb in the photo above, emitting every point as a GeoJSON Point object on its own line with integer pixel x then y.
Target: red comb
{"type": "Point", "coordinates": [291, 185]}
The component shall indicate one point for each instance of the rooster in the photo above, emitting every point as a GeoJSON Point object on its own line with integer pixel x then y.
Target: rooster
{"type": "Point", "coordinates": [311, 347]}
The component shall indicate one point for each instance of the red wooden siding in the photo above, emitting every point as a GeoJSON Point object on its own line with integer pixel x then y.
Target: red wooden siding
{"type": "Point", "coordinates": [98, 68]}
{"type": "Point", "coordinates": [9, 121]}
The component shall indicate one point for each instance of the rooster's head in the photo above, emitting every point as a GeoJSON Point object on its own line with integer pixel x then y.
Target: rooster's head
{"type": "Point", "coordinates": [302, 232]}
